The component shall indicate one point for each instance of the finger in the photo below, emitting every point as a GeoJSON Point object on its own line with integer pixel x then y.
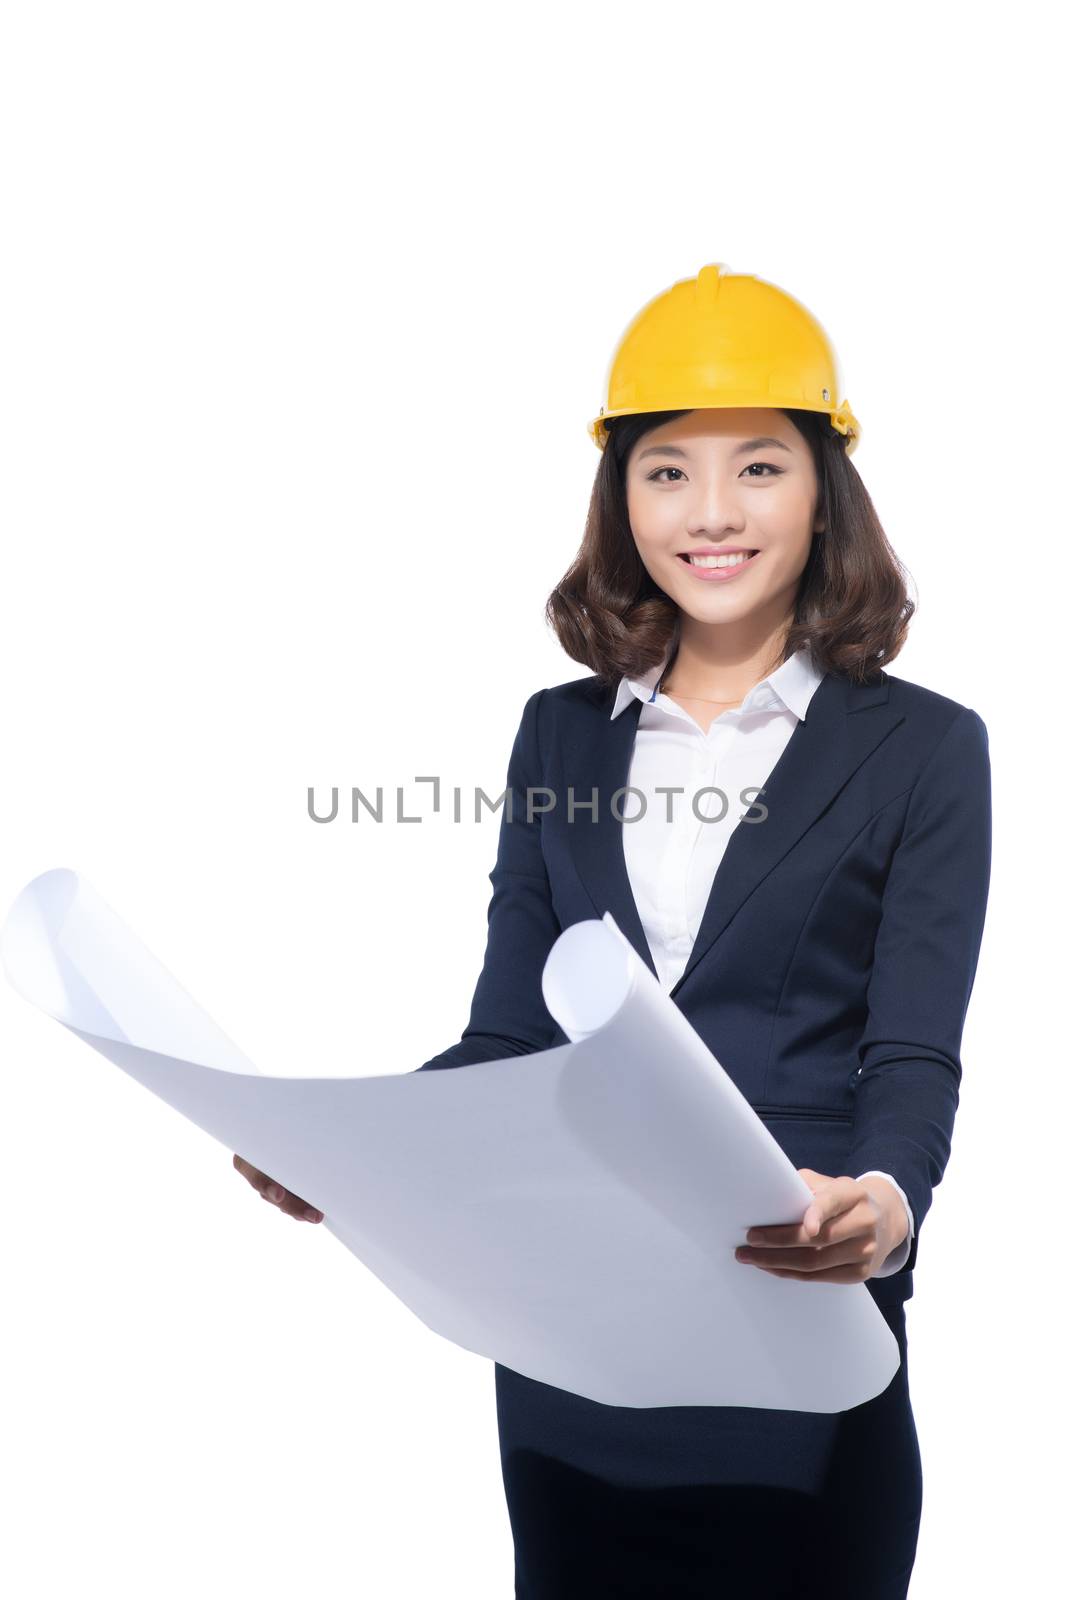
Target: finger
{"type": "Point", "coordinates": [779, 1235]}
{"type": "Point", "coordinates": [290, 1203]}
{"type": "Point", "coordinates": [294, 1206]}
{"type": "Point", "coordinates": [833, 1199]}
{"type": "Point", "coordinates": [259, 1180]}
{"type": "Point", "coordinates": [847, 1270]}
{"type": "Point", "coordinates": [851, 1224]}
{"type": "Point", "coordinates": [832, 1218]}
{"type": "Point", "coordinates": [822, 1209]}
{"type": "Point", "coordinates": [808, 1260]}
{"type": "Point", "coordinates": [849, 1274]}
{"type": "Point", "coordinates": [837, 1196]}
{"type": "Point", "coordinates": [794, 1233]}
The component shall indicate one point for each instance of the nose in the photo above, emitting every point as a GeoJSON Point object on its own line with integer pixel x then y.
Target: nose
{"type": "Point", "coordinates": [715, 509]}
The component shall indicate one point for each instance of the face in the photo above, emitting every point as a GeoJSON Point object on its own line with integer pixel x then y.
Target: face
{"type": "Point", "coordinates": [699, 486]}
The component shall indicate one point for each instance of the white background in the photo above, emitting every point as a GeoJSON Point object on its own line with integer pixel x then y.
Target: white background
{"type": "Point", "coordinates": [304, 312]}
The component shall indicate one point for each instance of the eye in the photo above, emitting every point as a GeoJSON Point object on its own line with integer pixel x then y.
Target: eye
{"type": "Point", "coordinates": [775, 471]}
{"type": "Point", "coordinates": [654, 475]}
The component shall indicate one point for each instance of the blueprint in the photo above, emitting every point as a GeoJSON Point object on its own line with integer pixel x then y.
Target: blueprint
{"type": "Point", "coordinates": [570, 1213]}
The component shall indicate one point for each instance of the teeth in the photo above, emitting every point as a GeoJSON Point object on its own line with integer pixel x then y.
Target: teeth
{"type": "Point", "coordinates": [720, 561]}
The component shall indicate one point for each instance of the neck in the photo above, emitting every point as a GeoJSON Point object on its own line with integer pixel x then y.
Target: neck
{"type": "Point", "coordinates": [719, 665]}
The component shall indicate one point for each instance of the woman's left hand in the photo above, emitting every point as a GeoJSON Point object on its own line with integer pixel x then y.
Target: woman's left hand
{"type": "Point", "coordinates": [845, 1235]}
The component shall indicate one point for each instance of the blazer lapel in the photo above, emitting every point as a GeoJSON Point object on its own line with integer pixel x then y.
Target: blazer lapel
{"type": "Point", "coordinates": [598, 758]}
{"type": "Point", "coordinates": [843, 725]}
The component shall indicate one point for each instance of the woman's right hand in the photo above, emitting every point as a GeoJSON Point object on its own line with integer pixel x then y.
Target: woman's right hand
{"type": "Point", "coordinates": [291, 1204]}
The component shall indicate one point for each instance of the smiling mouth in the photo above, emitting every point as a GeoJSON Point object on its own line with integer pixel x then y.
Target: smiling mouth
{"type": "Point", "coordinates": [719, 565]}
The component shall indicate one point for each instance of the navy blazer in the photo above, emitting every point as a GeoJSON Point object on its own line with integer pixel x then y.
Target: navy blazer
{"type": "Point", "coordinates": [831, 973]}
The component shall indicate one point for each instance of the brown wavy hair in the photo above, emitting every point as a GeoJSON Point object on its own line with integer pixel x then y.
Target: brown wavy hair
{"type": "Point", "coordinates": [852, 610]}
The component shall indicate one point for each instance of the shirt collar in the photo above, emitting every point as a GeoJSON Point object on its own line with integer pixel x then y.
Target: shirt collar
{"type": "Point", "coordinates": [791, 685]}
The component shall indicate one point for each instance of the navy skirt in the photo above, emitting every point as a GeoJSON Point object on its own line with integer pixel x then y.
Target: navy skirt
{"type": "Point", "coordinates": [716, 1502]}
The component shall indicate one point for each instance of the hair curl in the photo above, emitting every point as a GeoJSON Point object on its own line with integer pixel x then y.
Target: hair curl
{"type": "Point", "coordinates": [852, 609]}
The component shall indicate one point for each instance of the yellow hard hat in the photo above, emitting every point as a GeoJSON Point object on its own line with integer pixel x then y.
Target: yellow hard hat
{"type": "Point", "coordinates": [724, 339]}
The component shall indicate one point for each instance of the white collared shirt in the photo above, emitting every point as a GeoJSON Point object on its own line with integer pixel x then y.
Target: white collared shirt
{"type": "Point", "coordinates": [671, 854]}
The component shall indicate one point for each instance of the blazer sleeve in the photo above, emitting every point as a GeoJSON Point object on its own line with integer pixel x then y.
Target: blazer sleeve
{"type": "Point", "coordinates": [508, 1015]}
{"type": "Point", "coordinates": [925, 959]}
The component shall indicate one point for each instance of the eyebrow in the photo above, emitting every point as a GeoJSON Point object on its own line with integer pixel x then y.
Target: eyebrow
{"type": "Point", "coordinates": [764, 443]}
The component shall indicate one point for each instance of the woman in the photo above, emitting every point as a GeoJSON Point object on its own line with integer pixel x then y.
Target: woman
{"type": "Point", "coordinates": [736, 601]}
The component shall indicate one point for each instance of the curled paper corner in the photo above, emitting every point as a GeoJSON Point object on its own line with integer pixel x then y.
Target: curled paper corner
{"type": "Point", "coordinates": [587, 976]}
{"type": "Point", "coordinates": [36, 917]}
{"type": "Point", "coordinates": [67, 952]}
